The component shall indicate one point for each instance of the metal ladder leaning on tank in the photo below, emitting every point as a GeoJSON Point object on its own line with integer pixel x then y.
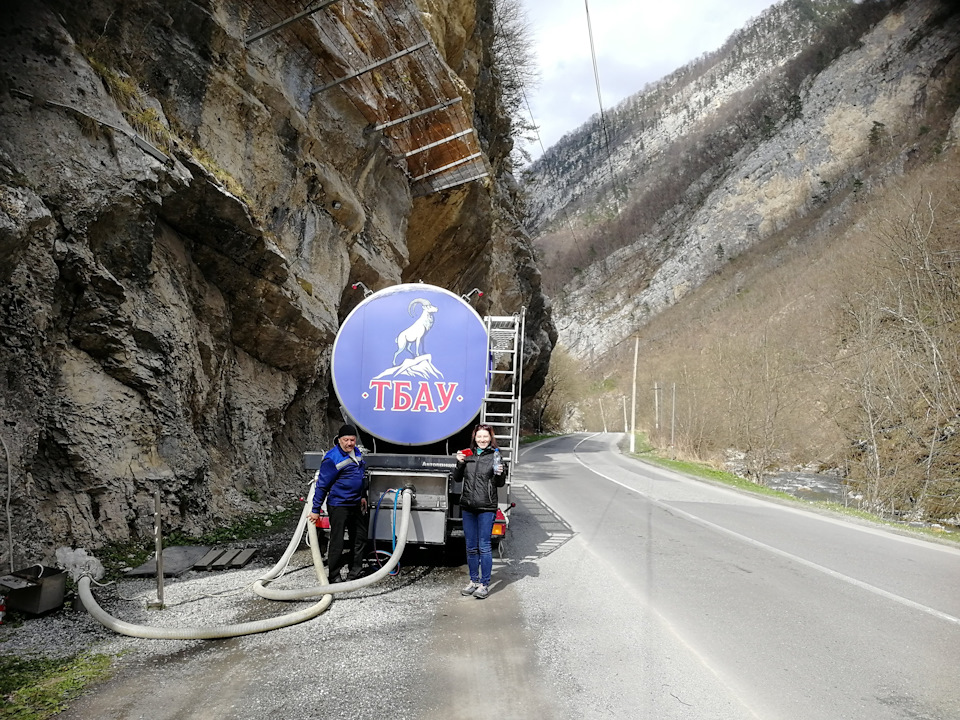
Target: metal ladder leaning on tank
{"type": "Point", "coordinates": [501, 405]}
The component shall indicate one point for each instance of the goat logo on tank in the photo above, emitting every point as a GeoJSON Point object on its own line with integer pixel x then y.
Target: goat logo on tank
{"type": "Point", "coordinates": [409, 364]}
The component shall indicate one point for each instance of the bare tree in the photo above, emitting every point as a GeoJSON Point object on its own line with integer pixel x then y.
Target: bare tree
{"type": "Point", "coordinates": [562, 390]}
{"type": "Point", "coordinates": [514, 64]}
{"type": "Point", "coordinates": [903, 329]}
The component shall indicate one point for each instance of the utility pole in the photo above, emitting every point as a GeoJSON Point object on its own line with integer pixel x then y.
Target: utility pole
{"type": "Point", "coordinates": [673, 421]}
{"type": "Point", "coordinates": [656, 406]}
{"type": "Point", "coordinates": [602, 416]}
{"type": "Point", "coordinates": [633, 403]}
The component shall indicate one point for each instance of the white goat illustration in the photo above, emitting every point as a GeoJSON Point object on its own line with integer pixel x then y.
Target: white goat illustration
{"type": "Point", "coordinates": [411, 339]}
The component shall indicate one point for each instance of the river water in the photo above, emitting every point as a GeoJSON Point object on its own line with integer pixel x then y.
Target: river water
{"type": "Point", "coordinates": [808, 486]}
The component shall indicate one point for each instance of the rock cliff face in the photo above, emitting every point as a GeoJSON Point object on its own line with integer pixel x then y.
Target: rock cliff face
{"type": "Point", "coordinates": [891, 89]}
{"type": "Point", "coordinates": [180, 227]}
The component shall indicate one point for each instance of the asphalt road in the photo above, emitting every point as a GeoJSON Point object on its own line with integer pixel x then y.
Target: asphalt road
{"type": "Point", "coordinates": [731, 606]}
{"type": "Point", "coordinates": [624, 592]}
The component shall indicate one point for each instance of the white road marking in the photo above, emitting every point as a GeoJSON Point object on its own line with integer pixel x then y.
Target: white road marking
{"type": "Point", "coordinates": [756, 543]}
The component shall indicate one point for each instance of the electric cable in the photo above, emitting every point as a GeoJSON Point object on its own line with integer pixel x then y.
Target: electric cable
{"type": "Point", "coordinates": [518, 78]}
{"type": "Point", "coordinates": [393, 527]}
{"type": "Point", "coordinates": [603, 120]}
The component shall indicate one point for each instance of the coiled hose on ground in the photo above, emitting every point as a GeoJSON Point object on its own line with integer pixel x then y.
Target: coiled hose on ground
{"type": "Point", "coordinates": [260, 587]}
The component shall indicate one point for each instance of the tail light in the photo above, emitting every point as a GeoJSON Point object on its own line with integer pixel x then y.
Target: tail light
{"type": "Point", "coordinates": [323, 522]}
{"type": "Point", "coordinates": [499, 524]}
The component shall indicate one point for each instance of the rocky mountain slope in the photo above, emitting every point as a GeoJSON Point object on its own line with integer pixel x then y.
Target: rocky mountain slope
{"type": "Point", "coordinates": [738, 147]}
{"type": "Point", "coordinates": [182, 223]}
{"type": "Point", "coordinates": [637, 136]}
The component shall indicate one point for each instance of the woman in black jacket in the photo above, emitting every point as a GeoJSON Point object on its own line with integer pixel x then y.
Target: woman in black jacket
{"type": "Point", "coordinates": [482, 472]}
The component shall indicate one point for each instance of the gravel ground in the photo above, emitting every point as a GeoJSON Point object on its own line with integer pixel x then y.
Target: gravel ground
{"type": "Point", "coordinates": [395, 649]}
{"type": "Point", "coordinates": [355, 660]}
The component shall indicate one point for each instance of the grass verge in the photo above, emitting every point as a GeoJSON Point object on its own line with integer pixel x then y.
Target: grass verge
{"type": "Point", "coordinates": [39, 688]}
{"type": "Point", "coordinates": [533, 438]}
{"type": "Point", "coordinates": [708, 473]}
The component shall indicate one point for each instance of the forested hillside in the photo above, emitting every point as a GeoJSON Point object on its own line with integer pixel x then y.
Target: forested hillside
{"type": "Point", "coordinates": [692, 120]}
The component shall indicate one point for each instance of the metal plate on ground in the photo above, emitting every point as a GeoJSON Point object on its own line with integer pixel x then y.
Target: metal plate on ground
{"type": "Point", "coordinates": [225, 558]}
{"type": "Point", "coordinates": [243, 557]}
{"type": "Point", "coordinates": [176, 561]}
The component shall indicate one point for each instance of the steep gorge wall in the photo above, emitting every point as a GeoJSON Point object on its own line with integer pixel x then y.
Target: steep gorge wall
{"type": "Point", "coordinates": [160, 330]}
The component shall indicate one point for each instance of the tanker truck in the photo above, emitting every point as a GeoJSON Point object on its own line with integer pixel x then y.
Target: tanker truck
{"type": "Point", "coordinates": [415, 368]}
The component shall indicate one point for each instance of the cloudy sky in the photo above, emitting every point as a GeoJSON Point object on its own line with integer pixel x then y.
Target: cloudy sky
{"type": "Point", "coordinates": [636, 43]}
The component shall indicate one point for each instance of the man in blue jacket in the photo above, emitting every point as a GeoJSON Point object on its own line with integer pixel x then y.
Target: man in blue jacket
{"type": "Point", "coordinates": [342, 482]}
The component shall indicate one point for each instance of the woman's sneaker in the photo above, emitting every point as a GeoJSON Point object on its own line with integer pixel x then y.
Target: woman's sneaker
{"type": "Point", "coordinates": [471, 588]}
{"type": "Point", "coordinates": [481, 592]}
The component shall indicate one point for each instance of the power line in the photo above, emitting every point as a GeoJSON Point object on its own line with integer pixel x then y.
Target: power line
{"type": "Point", "coordinates": [603, 121]}
{"type": "Point", "coordinates": [596, 76]}
{"type": "Point", "coordinates": [518, 76]}
{"type": "Point", "coordinates": [533, 122]}
{"type": "Point", "coordinates": [805, 369]}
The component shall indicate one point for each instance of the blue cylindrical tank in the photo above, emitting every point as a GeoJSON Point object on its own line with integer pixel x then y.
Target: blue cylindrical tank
{"type": "Point", "coordinates": [409, 364]}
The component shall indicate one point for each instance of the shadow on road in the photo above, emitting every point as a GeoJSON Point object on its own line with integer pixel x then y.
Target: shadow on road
{"type": "Point", "coordinates": [535, 532]}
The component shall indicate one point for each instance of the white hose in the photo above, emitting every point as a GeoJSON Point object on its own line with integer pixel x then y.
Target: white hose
{"type": "Point", "coordinates": [302, 593]}
{"type": "Point", "coordinates": [249, 628]}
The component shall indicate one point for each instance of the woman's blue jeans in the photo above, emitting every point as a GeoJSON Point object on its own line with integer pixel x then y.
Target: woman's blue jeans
{"type": "Point", "coordinates": [477, 527]}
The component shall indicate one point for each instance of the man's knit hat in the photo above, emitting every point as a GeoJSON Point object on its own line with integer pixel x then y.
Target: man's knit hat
{"type": "Point", "coordinates": [346, 430]}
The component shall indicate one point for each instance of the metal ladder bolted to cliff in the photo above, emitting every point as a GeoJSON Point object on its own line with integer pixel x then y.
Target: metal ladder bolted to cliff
{"type": "Point", "coordinates": [501, 405]}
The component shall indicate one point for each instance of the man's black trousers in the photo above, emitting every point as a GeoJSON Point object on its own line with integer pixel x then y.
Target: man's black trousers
{"type": "Point", "coordinates": [351, 519]}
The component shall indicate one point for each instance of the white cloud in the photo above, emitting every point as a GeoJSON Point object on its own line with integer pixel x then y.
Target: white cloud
{"type": "Point", "coordinates": [636, 43]}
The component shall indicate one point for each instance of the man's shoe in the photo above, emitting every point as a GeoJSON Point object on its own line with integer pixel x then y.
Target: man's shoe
{"type": "Point", "coordinates": [470, 589]}
{"type": "Point", "coordinates": [481, 592]}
